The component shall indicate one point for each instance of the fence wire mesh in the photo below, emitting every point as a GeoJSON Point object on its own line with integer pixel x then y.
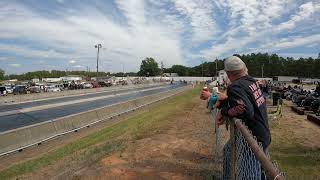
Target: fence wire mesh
{"type": "Point", "coordinates": [247, 166]}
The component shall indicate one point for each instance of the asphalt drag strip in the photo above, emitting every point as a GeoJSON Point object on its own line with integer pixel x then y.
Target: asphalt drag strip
{"type": "Point", "coordinates": [32, 115]}
{"type": "Point", "coordinates": [41, 102]}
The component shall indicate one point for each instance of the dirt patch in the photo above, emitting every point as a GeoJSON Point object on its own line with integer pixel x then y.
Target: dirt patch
{"type": "Point", "coordinates": [184, 149]}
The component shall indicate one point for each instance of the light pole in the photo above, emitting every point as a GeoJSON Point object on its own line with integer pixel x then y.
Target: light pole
{"type": "Point", "coordinates": [98, 46]}
{"type": "Point", "coordinates": [217, 67]}
{"type": "Point", "coordinates": [202, 70]}
{"type": "Point", "coordinates": [122, 70]}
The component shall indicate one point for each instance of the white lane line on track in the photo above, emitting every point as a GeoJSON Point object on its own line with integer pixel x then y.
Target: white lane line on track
{"type": "Point", "coordinates": [42, 107]}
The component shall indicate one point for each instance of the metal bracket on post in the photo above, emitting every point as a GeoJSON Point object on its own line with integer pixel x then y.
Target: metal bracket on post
{"type": "Point", "coordinates": [233, 150]}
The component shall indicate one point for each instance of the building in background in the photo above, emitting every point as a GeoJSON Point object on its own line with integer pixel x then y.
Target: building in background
{"type": "Point", "coordinates": [71, 78]}
{"type": "Point", "coordinates": [222, 76]}
{"type": "Point", "coordinates": [51, 80]}
{"type": "Point", "coordinates": [284, 78]}
{"type": "Point", "coordinates": [170, 74]}
{"type": "Point", "coordinates": [36, 80]}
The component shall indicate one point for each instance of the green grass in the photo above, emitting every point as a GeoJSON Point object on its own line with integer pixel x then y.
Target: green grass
{"type": "Point", "coordinates": [297, 161]}
{"type": "Point", "coordinates": [93, 147]}
{"type": "Point", "coordinates": [298, 165]}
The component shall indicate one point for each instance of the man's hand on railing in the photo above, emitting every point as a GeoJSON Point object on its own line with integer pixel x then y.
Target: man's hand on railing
{"type": "Point", "coordinates": [219, 119]}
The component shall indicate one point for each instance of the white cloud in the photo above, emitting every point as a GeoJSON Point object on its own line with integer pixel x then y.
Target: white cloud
{"type": "Point", "coordinates": [15, 65]}
{"type": "Point", "coordinates": [173, 31]}
{"type": "Point", "coordinates": [200, 17]}
{"type": "Point", "coordinates": [305, 11]}
{"type": "Point", "coordinates": [5, 59]}
{"type": "Point", "coordinates": [72, 61]}
{"type": "Point", "coordinates": [295, 41]}
{"type": "Point", "coordinates": [78, 66]}
{"type": "Point", "coordinates": [252, 22]}
{"type": "Point", "coordinates": [30, 52]}
{"type": "Point", "coordinates": [76, 34]}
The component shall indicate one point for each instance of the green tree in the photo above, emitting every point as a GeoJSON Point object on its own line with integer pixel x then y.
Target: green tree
{"type": "Point", "coordinates": [179, 69]}
{"type": "Point", "coordinates": [149, 67]}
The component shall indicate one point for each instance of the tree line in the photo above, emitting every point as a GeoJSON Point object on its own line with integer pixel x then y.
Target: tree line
{"type": "Point", "coordinates": [260, 64]}
{"type": "Point", "coordinates": [266, 65]}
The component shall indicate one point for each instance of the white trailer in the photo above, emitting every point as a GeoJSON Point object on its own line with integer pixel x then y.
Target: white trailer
{"type": "Point", "coordinates": [284, 78]}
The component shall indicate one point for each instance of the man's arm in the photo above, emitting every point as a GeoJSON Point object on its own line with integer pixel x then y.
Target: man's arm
{"type": "Point", "coordinates": [239, 104]}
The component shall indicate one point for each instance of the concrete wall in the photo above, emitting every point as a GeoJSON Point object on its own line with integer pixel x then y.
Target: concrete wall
{"type": "Point", "coordinates": [193, 79]}
{"type": "Point", "coordinates": [178, 78]}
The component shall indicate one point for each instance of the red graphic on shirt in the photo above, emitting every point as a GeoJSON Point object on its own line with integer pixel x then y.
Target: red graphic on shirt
{"type": "Point", "coordinates": [255, 89]}
{"type": "Point", "coordinates": [238, 109]}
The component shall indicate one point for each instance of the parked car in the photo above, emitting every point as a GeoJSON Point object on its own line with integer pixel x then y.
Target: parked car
{"type": "Point", "coordinates": [87, 85]}
{"type": "Point", "coordinates": [34, 89]}
{"type": "Point", "coordinates": [61, 86]}
{"type": "Point", "coordinates": [20, 89]}
{"type": "Point", "coordinates": [105, 83]}
{"type": "Point", "coordinates": [53, 89]}
{"type": "Point", "coordinates": [95, 84]}
{"type": "Point", "coordinates": [9, 89]}
{"type": "Point", "coordinates": [3, 91]}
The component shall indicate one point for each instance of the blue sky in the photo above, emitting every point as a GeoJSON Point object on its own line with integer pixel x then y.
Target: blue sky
{"type": "Point", "coordinates": [61, 34]}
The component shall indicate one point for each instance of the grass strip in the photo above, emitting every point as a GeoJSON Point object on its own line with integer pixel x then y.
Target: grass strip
{"type": "Point", "coordinates": [137, 127]}
{"type": "Point", "coordinates": [296, 160]}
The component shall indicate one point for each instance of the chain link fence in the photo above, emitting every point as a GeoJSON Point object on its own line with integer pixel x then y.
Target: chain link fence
{"type": "Point", "coordinates": [243, 157]}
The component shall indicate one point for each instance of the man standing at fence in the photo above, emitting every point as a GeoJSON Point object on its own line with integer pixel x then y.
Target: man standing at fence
{"type": "Point", "coordinates": [246, 102]}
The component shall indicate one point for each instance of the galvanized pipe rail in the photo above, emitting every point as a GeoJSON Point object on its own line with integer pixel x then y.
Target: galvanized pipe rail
{"type": "Point", "coordinates": [271, 171]}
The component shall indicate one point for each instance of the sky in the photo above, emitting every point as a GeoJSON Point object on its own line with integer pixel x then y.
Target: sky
{"type": "Point", "coordinates": [62, 34]}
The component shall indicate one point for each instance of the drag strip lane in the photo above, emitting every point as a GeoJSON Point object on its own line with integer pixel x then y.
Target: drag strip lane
{"type": "Point", "coordinates": [19, 106]}
{"type": "Point", "coordinates": [22, 119]}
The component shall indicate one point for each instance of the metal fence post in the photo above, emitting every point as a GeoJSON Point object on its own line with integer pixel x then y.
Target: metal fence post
{"type": "Point", "coordinates": [233, 150]}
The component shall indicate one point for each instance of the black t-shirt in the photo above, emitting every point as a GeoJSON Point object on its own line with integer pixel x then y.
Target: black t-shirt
{"type": "Point", "coordinates": [246, 102]}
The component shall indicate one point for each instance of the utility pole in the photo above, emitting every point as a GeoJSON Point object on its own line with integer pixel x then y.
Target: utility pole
{"type": "Point", "coordinates": [162, 67]}
{"type": "Point", "coordinates": [262, 70]}
{"type": "Point", "coordinates": [98, 46]}
{"type": "Point", "coordinates": [202, 67]}
{"type": "Point", "coordinates": [202, 70]}
{"type": "Point", "coordinates": [216, 67]}
{"type": "Point", "coordinates": [122, 70]}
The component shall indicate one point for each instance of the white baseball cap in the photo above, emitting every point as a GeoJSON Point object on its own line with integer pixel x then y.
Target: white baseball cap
{"type": "Point", "coordinates": [234, 63]}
